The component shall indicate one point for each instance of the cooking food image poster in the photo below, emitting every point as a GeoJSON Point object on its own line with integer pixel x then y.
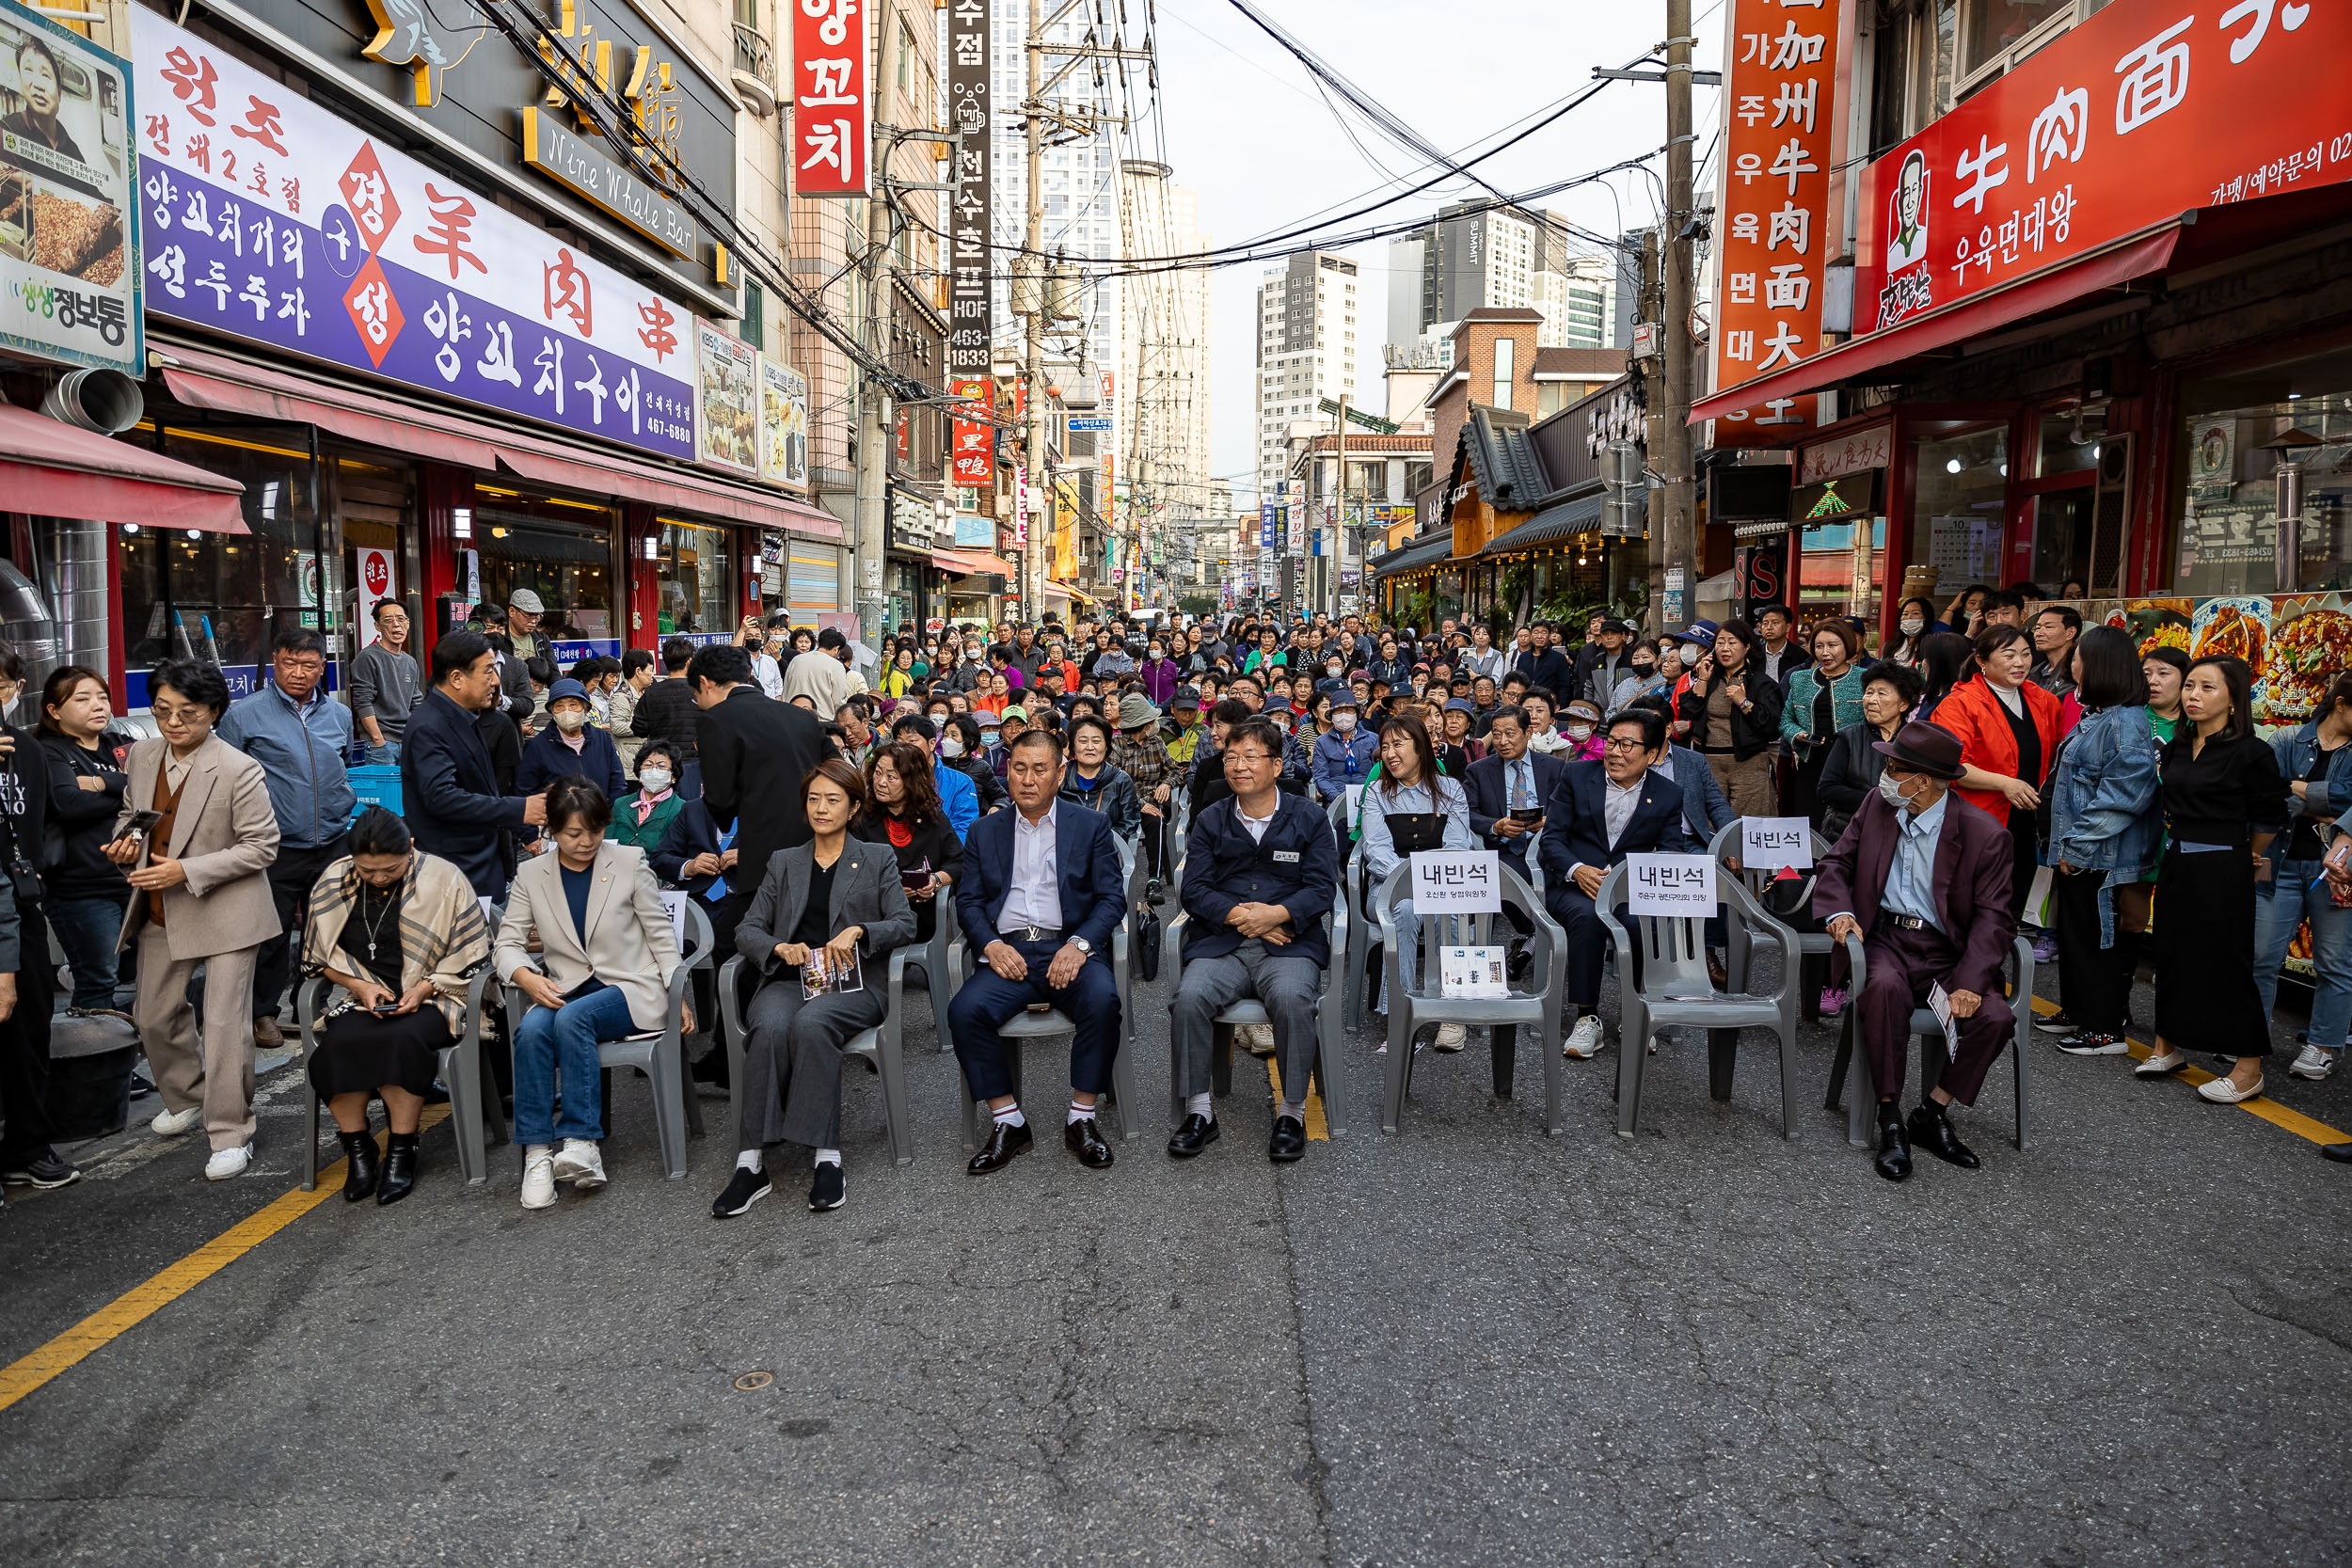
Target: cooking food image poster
{"type": "Point", "coordinates": [2310, 643]}
{"type": "Point", "coordinates": [68, 226]}
{"type": "Point", "coordinates": [2238, 625]}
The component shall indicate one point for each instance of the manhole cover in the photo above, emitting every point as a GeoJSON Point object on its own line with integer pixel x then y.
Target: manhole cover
{"type": "Point", "coordinates": [750, 1381]}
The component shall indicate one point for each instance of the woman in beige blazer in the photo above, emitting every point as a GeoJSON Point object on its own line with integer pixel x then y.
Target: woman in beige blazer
{"type": "Point", "coordinates": [606, 955]}
{"type": "Point", "coordinates": [202, 898]}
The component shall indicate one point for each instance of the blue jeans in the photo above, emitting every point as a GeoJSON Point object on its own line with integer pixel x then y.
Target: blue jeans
{"type": "Point", "coordinates": [86, 929]}
{"type": "Point", "coordinates": [386, 756]}
{"type": "Point", "coordinates": [2280, 905]}
{"type": "Point", "coordinates": [553, 1043]}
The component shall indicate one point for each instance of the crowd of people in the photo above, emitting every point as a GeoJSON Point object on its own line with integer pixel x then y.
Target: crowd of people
{"type": "Point", "coordinates": [820, 811]}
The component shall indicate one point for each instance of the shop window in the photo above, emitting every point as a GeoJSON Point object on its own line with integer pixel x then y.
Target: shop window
{"type": "Point", "coordinates": [1959, 494]}
{"type": "Point", "coordinates": [560, 550]}
{"type": "Point", "coordinates": [2070, 441]}
{"type": "Point", "coordinates": [698, 572]}
{"type": "Point", "coordinates": [2256, 448]}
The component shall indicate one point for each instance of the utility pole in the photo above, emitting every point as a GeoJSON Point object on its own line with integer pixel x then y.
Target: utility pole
{"type": "Point", "coordinates": [1652, 309]}
{"type": "Point", "coordinates": [1339, 513]}
{"type": "Point", "coordinates": [1670, 449]}
{"type": "Point", "coordinates": [873, 418]}
{"type": "Point", "coordinates": [1033, 264]}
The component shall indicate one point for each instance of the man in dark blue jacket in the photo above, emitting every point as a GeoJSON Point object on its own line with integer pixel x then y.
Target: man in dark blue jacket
{"type": "Point", "coordinates": [1599, 813]}
{"type": "Point", "coordinates": [1507, 789]}
{"type": "Point", "coordinates": [449, 794]}
{"type": "Point", "coordinates": [1042, 891]}
{"type": "Point", "coordinates": [1262, 871]}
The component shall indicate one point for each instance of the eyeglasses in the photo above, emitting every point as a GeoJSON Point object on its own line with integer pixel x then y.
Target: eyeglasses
{"type": "Point", "coordinates": [1618, 744]}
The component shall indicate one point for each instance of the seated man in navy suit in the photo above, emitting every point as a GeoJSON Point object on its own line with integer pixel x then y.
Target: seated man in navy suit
{"type": "Point", "coordinates": [1600, 813]}
{"type": "Point", "coordinates": [1042, 891]}
{"type": "Point", "coordinates": [1262, 871]}
{"type": "Point", "coordinates": [1508, 786]}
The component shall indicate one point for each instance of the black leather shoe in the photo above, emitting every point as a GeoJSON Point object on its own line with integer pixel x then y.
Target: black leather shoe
{"type": "Point", "coordinates": [1197, 1133]}
{"type": "Point", "coordinates": [1932, 1130]}
{"type": "Point", "coordinates": [1084, 1138]}
{"type": "Point", "coordinates": [1289, 1141]}
{"type": "Point", "coordinates": [710, 1067]}
{"type": "Point", "coordinates": [2340, 1153]}
{"type": "Point", "coordinates": [1003, 1144]}
{"type": "Point", "coordinates": [399, 1168]}
{"type": "Point", "coordinates": [360, 1169]}
{"type": "Point", "coordinates": [1894, 1158]}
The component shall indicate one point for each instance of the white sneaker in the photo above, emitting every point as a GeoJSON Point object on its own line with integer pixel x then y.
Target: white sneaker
{"type": "Point", "coordinates": [226, 1162]}
{"type": "Point", "coordinates": [171, 1124]}
{"type": "Point", "coordinates": [581, 1163]}
{"type": "Point", "coordinates": [1451, 1036]}
{"type": "Point", "coordinates": [538, 1177]}
{"type": "Point", "coordinates": [2314, 1063]}
{"type": "Point", "coordinates": [1584, 1041]}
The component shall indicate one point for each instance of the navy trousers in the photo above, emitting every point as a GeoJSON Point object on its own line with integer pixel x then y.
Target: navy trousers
{"type": "Point", "coordinates": [989, 1001]}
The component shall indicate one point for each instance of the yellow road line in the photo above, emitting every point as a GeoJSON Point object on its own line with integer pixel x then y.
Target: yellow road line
{"type": "Point", "coordinates": [2261, 1106]}
{"type": "Point", "coordinates": [144, 1300]}
{"type": "Point", "coordinates": [1318, 1129]}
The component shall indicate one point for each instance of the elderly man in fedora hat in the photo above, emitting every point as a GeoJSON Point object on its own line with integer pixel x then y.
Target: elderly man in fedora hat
{"type": "Point", "coordinates": [1924, 878]}
{"type": "Point", "coordinates": [1142, 755]}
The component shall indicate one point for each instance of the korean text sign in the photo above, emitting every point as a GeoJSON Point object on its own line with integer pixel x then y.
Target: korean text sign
{"type": "Point", "coordinates": [268, 219]}
{"type": "Point", "coordinates": [1675, 885]}
{"type": "Point", "coordinates": [970, 294]}
{"type": "Point", "coordinates": [1769, 843]}
{"type": "Point", "coordinates": [974, 434]}
{"type": "Point", "coordinates": [1780, 97]}
{"type": "Point", "coordinates": [2146, 110]}
{"type": "Point", "coordinates": [1458, 881]}
{"type": "Point", "coordinates": [831, 108]}
{"type": "Point", "coordinates": [69, 203]}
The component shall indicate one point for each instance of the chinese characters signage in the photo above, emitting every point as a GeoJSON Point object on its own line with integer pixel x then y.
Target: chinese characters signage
{"type": "Point", "coordinates": [2146, 110]}
{"type": "Point", "coordinates": [832, 122]}
{"type": "Point", "coordinates": [267, 218]}
{"type": "Point", "coordinates": [1781, 99]}
{"type": "Point", "coordinates": [730, 399]}
{"type": "Point", "coordinates": [974, 434]}
{"type": "Point", "coordinates": [69, 213]}
{"type": "Point", "coordinates": [969, 303]}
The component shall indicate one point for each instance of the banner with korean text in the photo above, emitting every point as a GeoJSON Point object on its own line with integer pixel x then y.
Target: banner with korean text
{"type": "Point", "coordinates": [833, 119]}
{"type": "Point", "coordinates": [2141, 113]}
{"type": "Point", "coordinates": [268, 219]}
{"type": "Point", "coordinates": [1780, 102]}
{"type": "Point", "coordinates": [970, 298]}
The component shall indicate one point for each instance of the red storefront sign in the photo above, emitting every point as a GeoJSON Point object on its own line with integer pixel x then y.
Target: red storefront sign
{"type": "Point", "coordinates": [974, 436]}
{"type": "Point", "coordinates": [831, 124]}
{"type": "Point", "coordinates": [1780, 99]}
{"type": "Point", "coordinates": [2149, 109]}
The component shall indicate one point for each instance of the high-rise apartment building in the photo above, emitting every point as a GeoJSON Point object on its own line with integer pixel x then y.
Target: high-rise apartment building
{"type": "Point", "coordinates": [1306, 313]}
{"type": "Point", "coordinates": [1472, 257]}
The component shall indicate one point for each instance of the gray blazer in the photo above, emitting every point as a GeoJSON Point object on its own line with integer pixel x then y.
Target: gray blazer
{"type": "Point", "coordinates": [865, 892]}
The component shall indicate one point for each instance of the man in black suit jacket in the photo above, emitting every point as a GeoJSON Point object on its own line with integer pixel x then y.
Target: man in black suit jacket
{"type": "Point", "coordinates": [449, 791]}
{"type": "Point", "coordinates": [1043, 890]}
{"type": "Point", "coordinates": [1599, 813]}
{"type": "Point", "coordinates": [667, 709]}
{"type": "Point", "coordinates": [754, 753]}
{"type": "Point", "coordinates": [1262, 871]}
{"type": "Point", "coordinates": [1510, 777]}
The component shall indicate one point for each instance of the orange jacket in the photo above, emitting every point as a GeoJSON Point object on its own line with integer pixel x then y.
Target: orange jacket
{"type": "Point", "coordinates": [1973, 713]}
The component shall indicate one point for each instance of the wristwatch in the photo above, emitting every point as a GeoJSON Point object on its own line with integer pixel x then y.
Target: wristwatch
{"type": "Point", "coordinates": [1082, 946]}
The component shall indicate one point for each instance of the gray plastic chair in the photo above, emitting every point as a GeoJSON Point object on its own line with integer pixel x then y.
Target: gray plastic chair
{"type": "Point", "coordinates": [882, 1048]}
{"type": "Point", "coordinates": [1330, 1069]}
{"type": "Point", "coordinates": [1054, 1025]}
{"type": "Point", "coordinates": [1363, 933]}
{"type": "Point", "coordinates": [1672, 951]}
{"type": "Point", "coordinates": [1548, 946]}
{"type": "Point", "coordinates": [1814, 944]}
{"type": "Point", "coordinates": [1861, 1125]}
{"type": "Point", "coordinates": [942, 961]}
{"type": "Point", "coordinates": [659, 1054]}
{"type": "Point", "coordinates": [473, 1097]}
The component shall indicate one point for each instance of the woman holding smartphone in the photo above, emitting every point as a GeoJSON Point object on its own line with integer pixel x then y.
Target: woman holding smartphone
{"type": "Point", "coordinates": [828, 912]}
{"type": "Point", "coordinates": [904, 810]}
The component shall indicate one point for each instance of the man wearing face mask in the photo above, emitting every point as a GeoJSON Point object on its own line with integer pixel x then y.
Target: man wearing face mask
{"type": "Point", "coordinates": [570, 744]}
{"type": "Point", "coordinates": [1925, 881]}
{"type": "Point", "coordinates": [1343, 752]}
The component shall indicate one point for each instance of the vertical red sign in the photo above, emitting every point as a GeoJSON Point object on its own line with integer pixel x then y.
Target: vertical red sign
{"type": "Point", "coordinates": [832, 122]}
{"type": "Point", "coordinates": [974, 436]}
{"type": "Point", "coordinates": [1780, 99]}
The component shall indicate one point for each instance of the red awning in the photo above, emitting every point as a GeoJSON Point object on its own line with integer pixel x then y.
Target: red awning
{"type": "Point", "coordinates": [52, 469]}
{"type": "Point", "coordinates": [2109, 268]}
{"type": "Point", "coordinates": [232, 385]}
{"type": "Point", "coordinates": [972, 563]}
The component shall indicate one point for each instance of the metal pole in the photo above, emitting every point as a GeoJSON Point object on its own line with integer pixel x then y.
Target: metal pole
{"type": "Point", "coordinates": [1033, 250]}
{"type": "Point", "coordinates": [1339, 513]}
{"type": "Point", "coordinates": [1670, 455]}
{"type": "Point", "coordinates": [1654, 528]}
{"type": "Point", "coordinates": [873, 438]}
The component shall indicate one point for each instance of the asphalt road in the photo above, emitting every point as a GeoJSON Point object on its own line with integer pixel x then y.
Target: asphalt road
{"type": "Point", "coordinates": [1465, 1344]}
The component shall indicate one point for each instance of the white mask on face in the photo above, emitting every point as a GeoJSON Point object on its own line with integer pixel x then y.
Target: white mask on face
{"type": "Point", "coordinates": [1892, 793]}
{"type": "Point", "coordinates": [653, 781]}
{"type": "Point", "coordinates": [950, 746]}
{"type": "Point", "coordinates": [1343, 720]}
{"type": "Point", "coordinates": [1690, 655]}
{"type": "Point", "coordinates": [1911, 625]}
{"type": "Point", "coordinates": [1579, 732]}
{"type": "Point", "coordinates": [570, 721]}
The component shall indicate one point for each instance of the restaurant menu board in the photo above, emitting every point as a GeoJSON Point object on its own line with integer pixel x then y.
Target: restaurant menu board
{"type": "Point", "coordinates": [68, 217]}
{"type": "Point", "coordinates": [267, 218]}
{"type": "Point", "coordinates": [783, 424]}
{"type": "Point", "coordinates": [730, 399]}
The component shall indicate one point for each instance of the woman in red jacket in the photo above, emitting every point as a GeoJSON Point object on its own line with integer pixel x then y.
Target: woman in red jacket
{"type": "Point", "coordinates": [2009, 731]}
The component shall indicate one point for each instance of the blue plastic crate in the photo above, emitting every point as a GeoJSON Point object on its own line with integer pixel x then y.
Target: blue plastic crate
{"type": "Point", "coordinates": [375, 786]}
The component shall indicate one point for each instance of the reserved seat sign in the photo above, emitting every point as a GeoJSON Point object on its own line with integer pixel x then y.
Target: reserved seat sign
{"type": "Point", "coordinates": [1770, 842]}
{"type": "Point", "coordinates": [1672, 886]}
{"type": "Point", "coordinates": [1458, 881]}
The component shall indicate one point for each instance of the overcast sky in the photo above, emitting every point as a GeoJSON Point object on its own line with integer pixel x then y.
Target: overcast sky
{"type": "Point", "coordinates": [1248, 131]}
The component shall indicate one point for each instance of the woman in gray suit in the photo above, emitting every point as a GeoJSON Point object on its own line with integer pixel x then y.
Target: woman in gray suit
{"type": "Point", "coordinates": [827, 915]}
{"type": "Point", "coordinates": [198, 837]}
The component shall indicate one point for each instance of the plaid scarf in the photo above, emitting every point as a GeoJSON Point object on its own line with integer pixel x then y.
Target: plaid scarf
{"type": "Point", "coordinates": [443, 937]}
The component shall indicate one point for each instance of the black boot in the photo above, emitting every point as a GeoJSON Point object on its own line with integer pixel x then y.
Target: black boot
{"type": "Point", "coordinates": [399, 1168]}
{"type": "Point", "coordinates": [1894, 1159]}
{"type": "Point", "coordinates": [361, 1168]}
